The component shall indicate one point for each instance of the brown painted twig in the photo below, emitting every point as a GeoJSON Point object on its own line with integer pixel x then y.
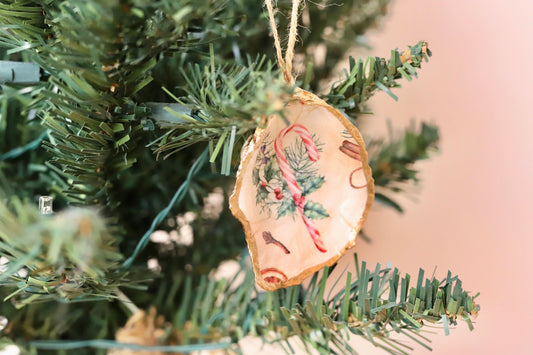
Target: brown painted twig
{"type": "Point", "coordinates": [269, 239]}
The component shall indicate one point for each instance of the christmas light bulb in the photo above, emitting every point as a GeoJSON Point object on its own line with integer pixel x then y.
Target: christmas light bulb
{"type": "Point", "coordinates": [46, 204]}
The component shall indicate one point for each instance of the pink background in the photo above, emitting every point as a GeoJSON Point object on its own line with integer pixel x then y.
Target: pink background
{"type": "Point", "coordinates": [473, 213]}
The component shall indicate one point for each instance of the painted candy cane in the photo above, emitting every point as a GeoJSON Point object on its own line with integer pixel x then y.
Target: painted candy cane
{"type": "Point", "coordinates": [294, 189]}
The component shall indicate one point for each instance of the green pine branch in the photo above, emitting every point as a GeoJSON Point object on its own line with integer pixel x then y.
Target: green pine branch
{"type": "Point", "coordinates": [363, 79]}
{"type": "Point", "coordinates": [74, 255]}
{"type": "Point", "coordinates": [336, 29]}
{"type": "Point", "coordinates": [225, 103]}
{"type": "Point", "coordinates": [380, 306]}
{"type": "Point", "coordinates": [392, 163]}
{"type": "Point", "coordinates": [68, 256]}
{"type": "Point", "coordinates": [97, 64]}
{"type": "Point", "coordinates": [101, 64]}
{"type": "Point", "coordinates": [23, 25]}
{"type": "Point", "coordinates": [377, 305]}
{"type": "Point", "coordinates": [21, 137]}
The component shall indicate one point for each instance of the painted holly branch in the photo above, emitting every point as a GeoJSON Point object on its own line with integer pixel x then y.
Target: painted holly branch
{"type": "Point", "coordinates": [287, 188]}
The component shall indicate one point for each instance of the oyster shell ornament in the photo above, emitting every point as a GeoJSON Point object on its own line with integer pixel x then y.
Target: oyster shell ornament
{"type": "Point", "coordinates": [303, 191]}
{"type": "Point", "coordinates": [304, 186]}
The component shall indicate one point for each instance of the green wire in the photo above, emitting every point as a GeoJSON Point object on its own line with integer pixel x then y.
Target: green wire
{"type": "Point", "coordinates": [111, 344]}
{"type": "Point", "coordinates": [178, 197]}
{"type": "Point", "coordinates": [34, 144]}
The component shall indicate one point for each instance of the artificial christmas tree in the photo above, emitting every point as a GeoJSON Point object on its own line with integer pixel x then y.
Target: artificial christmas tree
{"type": "Point", "coordinates": [136, 124]}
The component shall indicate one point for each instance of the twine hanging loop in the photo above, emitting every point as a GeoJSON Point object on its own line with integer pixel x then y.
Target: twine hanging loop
{"type": "Point", "coordinates": [285, 64]}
